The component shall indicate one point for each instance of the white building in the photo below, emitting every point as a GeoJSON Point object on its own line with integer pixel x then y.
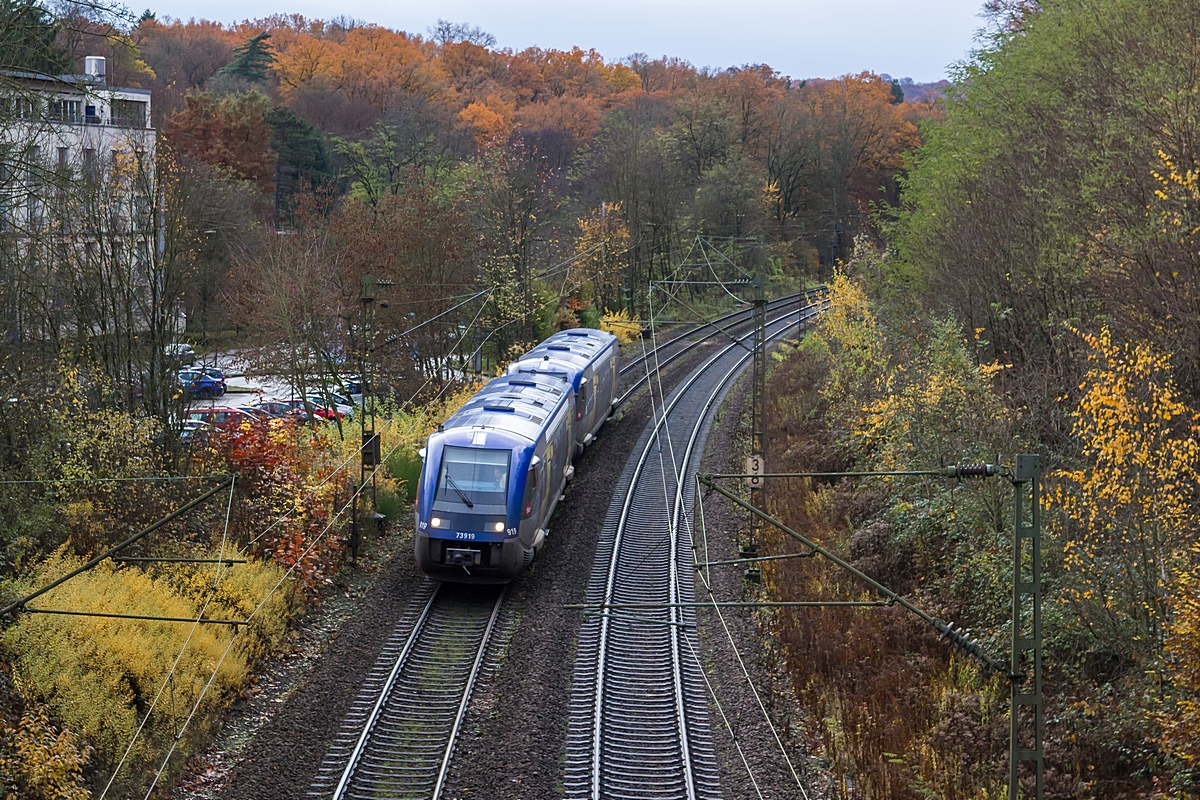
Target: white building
{"type": "Point", "coordinates": [78, 196]}
{"type": "Point", "coordinates": [70, 126]}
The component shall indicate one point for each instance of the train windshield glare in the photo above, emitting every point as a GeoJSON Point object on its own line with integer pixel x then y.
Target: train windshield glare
{"type": "Point", "coordinates": [473, 476]}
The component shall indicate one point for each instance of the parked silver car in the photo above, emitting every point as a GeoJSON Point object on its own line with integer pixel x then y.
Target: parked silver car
{"type": "Point", "coordinates": [181, 354]}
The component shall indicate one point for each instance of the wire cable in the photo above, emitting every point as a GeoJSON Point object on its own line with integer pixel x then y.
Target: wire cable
{"type": "Point", "coordinates": [195, 625]}
{"type": "Point", "coordinates": [742, 664]}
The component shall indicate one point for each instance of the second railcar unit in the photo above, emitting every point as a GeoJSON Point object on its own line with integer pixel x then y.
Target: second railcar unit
{"type": "Point", "coordinates": [588, 360]}
{"type": "Point", "coordinates": [491, 477]}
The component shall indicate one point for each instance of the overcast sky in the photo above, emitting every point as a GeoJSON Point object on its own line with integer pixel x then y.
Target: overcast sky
{"type": "Point", "coordinates": [801, 38]}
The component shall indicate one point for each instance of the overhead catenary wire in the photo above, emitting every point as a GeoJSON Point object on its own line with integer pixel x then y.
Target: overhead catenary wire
{"type": "Point", "coordinates": [423, 412]}
{"type": "Point", "coordinates": [333, 519]}
{"type": "Point", "coordinates": [661, 418]}
{"type": "Point", "coordinates": [742, 664]}
{"type": "Point", "coordinates": [255, 612]}
{"type": "Point", "coordinates": [729, 634]}
{"type": "Point", "coordinates": [183, 648]}
{"type": "Point", "coordinates": [673, 523]}
{"type": "Point", "coordinates": [146, 479]}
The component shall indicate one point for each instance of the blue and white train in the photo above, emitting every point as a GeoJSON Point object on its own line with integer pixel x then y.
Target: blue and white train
{"type": "Point", "coordinates": [493, 473]}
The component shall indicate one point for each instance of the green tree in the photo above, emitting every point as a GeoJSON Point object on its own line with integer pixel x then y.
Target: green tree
{"type": "Point", "coordinates": [302, 155]}
{"type": "Point", "coordinates": [252, 61]}
{"type": "Point", "coordinates": [28, 34]}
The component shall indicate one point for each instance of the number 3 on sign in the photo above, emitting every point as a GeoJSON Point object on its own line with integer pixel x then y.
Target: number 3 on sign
{"type": "Point", "coordinates": [755, 468]}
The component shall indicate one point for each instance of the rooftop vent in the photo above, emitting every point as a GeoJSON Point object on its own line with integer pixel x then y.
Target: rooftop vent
{"type": "Point", "coordinates": [93, 67]}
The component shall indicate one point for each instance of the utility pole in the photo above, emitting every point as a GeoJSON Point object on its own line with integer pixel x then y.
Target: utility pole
{"type": "Point", "coordinates": [1024, 670]}
{"type": "Point", "coordinates": [758, 419]}
{"type": "Point", "coordinates": [370, 439]}
{"type": "Point", "coordinates": [1026, 717]}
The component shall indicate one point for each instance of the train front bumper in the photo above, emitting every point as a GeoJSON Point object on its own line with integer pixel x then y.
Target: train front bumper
{"type": "Point", "coordinates": [471, 560]}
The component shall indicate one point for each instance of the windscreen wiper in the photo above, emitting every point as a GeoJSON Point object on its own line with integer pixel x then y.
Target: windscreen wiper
{"type": "Point", "coordinates": [461, 493]}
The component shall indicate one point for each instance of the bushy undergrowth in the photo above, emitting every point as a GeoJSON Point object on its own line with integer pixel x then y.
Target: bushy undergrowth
{"type": "Point", "coordinates": [102, 676]}
{"type": "Point", "coordinates": [627, 329]}
{"type": "Point", "coordinates": [901, 715]}
{"type": "Point", "coordinates": [85, 689]}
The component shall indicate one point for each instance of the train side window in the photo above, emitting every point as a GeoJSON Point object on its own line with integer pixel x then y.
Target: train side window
{"type": "Point", "coordinates": [530, 493]}
{"type": "Point", "coordinates": [582, 402]}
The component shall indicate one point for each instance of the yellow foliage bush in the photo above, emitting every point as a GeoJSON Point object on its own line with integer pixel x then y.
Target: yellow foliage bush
{"type": "Point", "coordinates": [1180, 720]}
{"type": "Point", "coordinates": [627, 329]}
{"type": "Point", "coordinates": [100, 676]}
{"type": "Point", "coordinates": [1128, 514]}
{"type": "Point", "coordinates": [240, 590]}
{"type": "Point", "coordinates": [39, 761]}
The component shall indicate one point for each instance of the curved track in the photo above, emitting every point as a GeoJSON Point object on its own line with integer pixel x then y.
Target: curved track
{"type": "Point", "coordinates": [719, 326]}
{"type": "Point", "coordinates": [639, 712]}
{"type": "Point", "coordinates": [398, 739]}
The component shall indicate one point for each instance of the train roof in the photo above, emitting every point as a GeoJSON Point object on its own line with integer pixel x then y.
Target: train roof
{"type": "Point", "coordinates": [519, 403]}
{"type": "Point", "coordinates": [572, 349]}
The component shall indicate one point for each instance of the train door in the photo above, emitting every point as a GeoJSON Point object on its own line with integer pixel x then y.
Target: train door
{"type": "Point", "coordinates": [586, 401]}
{"type": "Point", "coordinates": [536, 491]}
{"type": "Point", "coordinates": [547, 477]}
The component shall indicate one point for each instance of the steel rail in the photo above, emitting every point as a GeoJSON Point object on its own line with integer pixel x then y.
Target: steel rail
{"type": "Point", "coordinates": [405, 742]}
{"type": "Point", "coordinates": [466, 698]}
{"type": "Point", "coordinates": [387, 690]}
{"type": "Point", "coordinates": [611, 573]}
{"type": "Point", "coordinates": [808, 293]}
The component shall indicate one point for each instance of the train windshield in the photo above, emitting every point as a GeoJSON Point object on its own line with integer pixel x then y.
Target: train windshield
{"type": "Point", "coordinates": [473, 476]}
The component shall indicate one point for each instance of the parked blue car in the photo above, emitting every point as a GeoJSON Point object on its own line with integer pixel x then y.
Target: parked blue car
{"type": "Point", "coordinates": [200, 384]}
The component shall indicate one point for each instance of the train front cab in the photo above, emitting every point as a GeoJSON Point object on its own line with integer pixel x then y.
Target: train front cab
{"type": "Point", "coordinates": [488, 488]}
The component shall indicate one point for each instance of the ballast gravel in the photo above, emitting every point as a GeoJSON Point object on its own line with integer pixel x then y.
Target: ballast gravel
{"type": "Point", "coordinates": [513, 738]}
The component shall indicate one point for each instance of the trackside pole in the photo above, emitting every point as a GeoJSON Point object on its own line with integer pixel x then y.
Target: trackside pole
{"type": "Point", "coordinates": [1026, 716]}
{"type": "Point", "coordinates": [1024, 670]}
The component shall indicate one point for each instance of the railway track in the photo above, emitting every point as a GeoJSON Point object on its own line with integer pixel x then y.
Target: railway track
{"type": "Point", "coordinates": [398, 738]}
{"type": "Point", "coordinates": [639, 712]}
{"type": "Point", "coordinates": [665, 356]}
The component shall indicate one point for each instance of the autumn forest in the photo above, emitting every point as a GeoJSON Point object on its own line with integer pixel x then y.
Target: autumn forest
{"type": "Point", "coordinates": [1012, 260]}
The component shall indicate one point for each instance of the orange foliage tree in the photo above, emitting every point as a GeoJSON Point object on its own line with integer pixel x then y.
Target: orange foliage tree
{"type": "Point", "coordinates": [231, 134]}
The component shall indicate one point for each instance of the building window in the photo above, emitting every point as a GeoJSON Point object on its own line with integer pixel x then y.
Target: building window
{"type": "Point", "coordinates": [89, 164]}
{"type": "Point", "coordinates": [5, 192]}
{"type": "Point", "coordinates": [63, 110]}
{"type": "Point", "coordinates": [129, 113]}
{"type": "Point", "coordinates": [34, 169]}
{"type": "Point", "coordinates": [64, 157]}
{"type": "Point", "coordinates": [25, 108]}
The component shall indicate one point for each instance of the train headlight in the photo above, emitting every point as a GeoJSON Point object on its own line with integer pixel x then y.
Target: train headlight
{"type": "Point", "coordinates": [498, 527]}
{"type": "Point", "coordinates": [435, 522]}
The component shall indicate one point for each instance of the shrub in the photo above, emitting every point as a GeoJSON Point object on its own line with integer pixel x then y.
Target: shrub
{"type": "Point", "coordinates": [404, 466]}
{"type": "Point", "coordinates": [389, 504]}
{"type": "Point", "coordinates": [100, 676]}
{"type": "Point", "coordinates": [41, 762]}
{"type": "Point", "coordinates": [627, 329]}
{"type": "Point", "coordinates": [240, 590]}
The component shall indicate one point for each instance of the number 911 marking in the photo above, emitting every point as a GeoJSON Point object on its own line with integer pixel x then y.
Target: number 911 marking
{"type": "Point", "coordinates": [464, 536]}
